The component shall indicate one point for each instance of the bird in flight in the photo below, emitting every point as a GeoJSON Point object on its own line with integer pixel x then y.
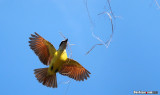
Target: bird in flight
{"type": "Point", "coordinates": [57, 60]}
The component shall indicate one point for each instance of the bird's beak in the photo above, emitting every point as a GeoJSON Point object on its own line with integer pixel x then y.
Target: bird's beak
{"type": "Point", "coordinates": [66, 40]}
{"type": "Point", "coordinates": [63, 44]}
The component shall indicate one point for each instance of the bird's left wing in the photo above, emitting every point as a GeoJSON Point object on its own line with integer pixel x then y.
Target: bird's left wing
{"type": "Point", "coordinates": [42, 48]}
{"type": "Point", "coordinates": [74, 70]}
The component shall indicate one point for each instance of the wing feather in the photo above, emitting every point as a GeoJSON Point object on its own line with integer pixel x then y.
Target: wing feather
{"type": "Point", "coordinates": [42, 48]}
{"type": "Point", "coordinates": [74, 70]}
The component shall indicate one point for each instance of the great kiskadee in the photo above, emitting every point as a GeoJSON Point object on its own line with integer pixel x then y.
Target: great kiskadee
{"type": "Point", "coordinates": [57, 61]}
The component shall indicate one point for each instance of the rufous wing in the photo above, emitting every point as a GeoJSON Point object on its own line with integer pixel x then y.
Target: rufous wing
{"type": "Point", "coordinates": [42, 48]}
{"type": "Point", "coordinates": [74, 70]}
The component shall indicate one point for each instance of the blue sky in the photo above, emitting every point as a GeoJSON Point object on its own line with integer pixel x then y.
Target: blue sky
{"type": "Point", "coordinates": [130, 63]}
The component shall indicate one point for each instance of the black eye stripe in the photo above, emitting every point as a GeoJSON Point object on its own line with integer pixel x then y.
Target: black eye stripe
{"type": "Point", "coordinates": [61, 43]}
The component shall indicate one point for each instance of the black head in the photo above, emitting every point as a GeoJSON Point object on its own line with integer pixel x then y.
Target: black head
{"type": "Point", "coordinates": [63, 44]}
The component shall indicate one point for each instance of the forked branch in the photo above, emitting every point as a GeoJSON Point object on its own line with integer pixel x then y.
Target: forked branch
{"type": "Point", "coordinates": [110, 15]}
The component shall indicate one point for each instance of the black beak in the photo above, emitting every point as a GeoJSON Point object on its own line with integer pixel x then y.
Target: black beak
{"type": "Point", "coordinates": [66, 40]}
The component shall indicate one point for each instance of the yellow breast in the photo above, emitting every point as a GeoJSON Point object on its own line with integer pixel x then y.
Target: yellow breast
{"type": "Point", "coordinates": [57, 61]}
{"type": "Point", "coordinates": [63, 56]}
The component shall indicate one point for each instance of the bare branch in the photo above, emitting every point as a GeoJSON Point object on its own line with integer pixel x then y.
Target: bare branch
{"type": "Point", "coordinates": [108, 1]}
{"type": "Point", "coordinates": [110, 15]}
{"type": "Point", "coordinates": [69, 83]}
{"type": "Point", "coordinates": [66, 82]}
{"type": "Point", "coordinates": [103, 43]}
{"type": "Point", "coordinates": [107, 43]}
{"type": "Point", "coordinates": [157, 3]}
{"type": "Point", "coordinates": [62, 35]}
{"type": "Point", "coordinates": [93, 48]}
{"type": "Point", "coordinates": [90, 19]}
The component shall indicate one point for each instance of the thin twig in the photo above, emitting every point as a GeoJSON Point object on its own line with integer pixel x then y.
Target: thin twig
{"type": "Point", "coordinates": [93, 48]}
{"type": "Point", "coordinates": [157, 3]}
{"type": "Point", "coordinates": [109, 4]}
{"type": "Point", "coordinates": [66, 82]}
{"type": "Point", "coordinates": [110, 15]}
{"type": "Point", "coordinates": [90, 19]}
{"type": "Point", "coordinates": [107, 43]}
{"type": "Point", "coordinates": [69, 83]}
{"type": "Point", "coordinates": [62, 35]}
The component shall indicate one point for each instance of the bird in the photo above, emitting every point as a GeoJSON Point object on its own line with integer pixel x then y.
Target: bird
{"type": "Point", "coordinates": [56, 60]}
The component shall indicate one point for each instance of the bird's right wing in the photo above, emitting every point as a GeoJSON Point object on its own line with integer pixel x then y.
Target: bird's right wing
{"type": "Point", "coordinates": [74, 70]}
{"type": "Point", "coordinates": [42, 48]}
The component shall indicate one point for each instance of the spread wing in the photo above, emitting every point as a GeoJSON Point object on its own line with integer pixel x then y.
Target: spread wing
{"type": "Point", "coordinates": [42, 48]}
{"type": "Point", "coordinates": [74, 70]}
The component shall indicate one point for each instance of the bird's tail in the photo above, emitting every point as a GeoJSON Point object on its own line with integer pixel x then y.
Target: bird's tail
{"type": "Point", "coordinates": [44, 78]}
